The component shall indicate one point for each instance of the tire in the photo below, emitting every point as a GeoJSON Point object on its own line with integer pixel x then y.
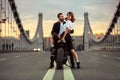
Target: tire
{"type": "Point", "coordinates": [60, 57]}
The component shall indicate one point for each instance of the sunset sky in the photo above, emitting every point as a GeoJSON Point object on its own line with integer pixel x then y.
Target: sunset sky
{"type": "Point", "coordinates": [100, 13]}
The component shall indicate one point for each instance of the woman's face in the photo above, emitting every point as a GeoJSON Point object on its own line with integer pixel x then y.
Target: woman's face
{"type": "Point", "coordinates": [68, 16]}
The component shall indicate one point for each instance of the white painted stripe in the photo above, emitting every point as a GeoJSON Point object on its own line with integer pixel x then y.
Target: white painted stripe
{"type": "Point", "coordinates": [50, 74]}
{"type": "Point", "coordinates": [3, 59]}
{"type": "Point", "coordinates": [68, 75]}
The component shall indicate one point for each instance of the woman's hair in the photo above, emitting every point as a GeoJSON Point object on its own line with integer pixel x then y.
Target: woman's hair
{"type": "Point", "coordinates": [72, 16]}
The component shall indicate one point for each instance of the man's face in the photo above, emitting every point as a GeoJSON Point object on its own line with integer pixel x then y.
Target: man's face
{"type": "Point", "coordinates": [61, 17]}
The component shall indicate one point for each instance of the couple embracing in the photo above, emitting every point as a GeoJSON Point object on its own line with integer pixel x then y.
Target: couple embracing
{"type": "Point", "coordinates": [61, 31]}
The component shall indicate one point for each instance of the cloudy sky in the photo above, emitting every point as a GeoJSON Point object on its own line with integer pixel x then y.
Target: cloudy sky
{"type": "Point", "coordinates": [100, 13]}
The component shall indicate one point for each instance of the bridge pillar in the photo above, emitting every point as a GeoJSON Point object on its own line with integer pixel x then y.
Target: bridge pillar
{"type": "Point", "coordinates": [86, 29]}
{"type": "Point", "coordinates": [41, 31]}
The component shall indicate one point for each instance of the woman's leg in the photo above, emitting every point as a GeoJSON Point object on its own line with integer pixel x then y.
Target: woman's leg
{"type": "Point", "coordinates": [71, 48]}
{"type": "Point", "coordinates": [76, 57]}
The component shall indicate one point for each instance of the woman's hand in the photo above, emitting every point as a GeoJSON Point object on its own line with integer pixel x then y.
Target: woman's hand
{"type": "Point", "coordinates": [63, 39]}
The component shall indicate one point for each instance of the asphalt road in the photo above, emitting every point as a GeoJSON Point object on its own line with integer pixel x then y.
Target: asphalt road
{"type": "Point", "coordinates": [95, 65]}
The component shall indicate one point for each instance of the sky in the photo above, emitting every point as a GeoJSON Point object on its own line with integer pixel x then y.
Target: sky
{"type": "Point", "coordinates": [100, 13]}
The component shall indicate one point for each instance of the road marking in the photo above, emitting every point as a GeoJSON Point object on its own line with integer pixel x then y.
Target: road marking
{"type": "Point", "coordinates": [3, 59]}
{"type": "Point", "coordinates": [68, 75]}
{"type": "Point", "coordinates": [50, 74]}
{"type": "Point", "coordinates": [117, 57]}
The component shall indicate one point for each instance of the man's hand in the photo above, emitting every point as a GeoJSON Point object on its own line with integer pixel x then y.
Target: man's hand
{"type": "Point", "coordinates": [59, 36]}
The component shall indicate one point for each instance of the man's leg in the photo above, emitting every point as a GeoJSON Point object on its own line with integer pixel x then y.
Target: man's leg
{"type": "Point", "coordinates": [52, 57]}
{"type": "Point", "coordinates": [53, 42]}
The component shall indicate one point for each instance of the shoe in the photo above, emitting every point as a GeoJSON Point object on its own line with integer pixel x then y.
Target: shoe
{"type": "Point", "coordinates": [72, 66]}
{"type": "Point", "coordinates": [52, 61]}
{"type": "Point", "coordinates": [78, 65]}
{"type": "Point", "coordinates": [72, 62]}
{"type": "Point", "coordinates": [51, 66]}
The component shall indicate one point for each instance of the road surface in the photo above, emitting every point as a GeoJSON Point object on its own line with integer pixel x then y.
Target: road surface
{"type": "Point", "coordinates": [95, 65]}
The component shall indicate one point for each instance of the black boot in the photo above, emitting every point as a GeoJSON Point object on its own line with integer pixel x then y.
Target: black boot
{"type": "Point", "coordinates": [52, 57]}
{"type": "Point", "coordinates": [51, 65]}
{"type": "Point", "coordinates": [78, 65]}
{"type": "Point", "coordinates": [72, 61]}
{"type": "Point", "coordinates": [52, 62]}
{"type": "Point", "coordinates": [73, 66]}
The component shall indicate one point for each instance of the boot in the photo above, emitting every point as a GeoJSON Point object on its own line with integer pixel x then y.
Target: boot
{"type": "Point", "coordinates": [78, 65]}
{"type": "Point", "coordinates": [72, 61]}
{"type": "Point", "coordinates": [52, 62]}
{"type": "Point", "coordinates": [52, 57]}
{"type": "Point", "coordinates": [51, 65]}
{"type": "Point", "coordinates": [73, 66]}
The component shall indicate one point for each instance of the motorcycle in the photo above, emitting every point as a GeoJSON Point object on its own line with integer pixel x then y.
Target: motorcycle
{"type": "Point", "coordinates": [62, 55]}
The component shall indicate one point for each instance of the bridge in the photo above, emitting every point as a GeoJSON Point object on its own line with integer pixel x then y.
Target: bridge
{"type": "Point", "coordinates": [99, 56]}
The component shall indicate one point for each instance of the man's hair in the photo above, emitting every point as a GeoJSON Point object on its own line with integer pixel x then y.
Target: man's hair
{"type": "Point", "coordinates": [59, 15]}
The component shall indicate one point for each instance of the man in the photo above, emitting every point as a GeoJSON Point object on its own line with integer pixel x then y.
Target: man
{"type": "Point", "coordinates": [55, 36]}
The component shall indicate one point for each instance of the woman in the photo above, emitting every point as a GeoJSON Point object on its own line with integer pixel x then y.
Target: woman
{"type": "Point", "coordinates": [67, 38]}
